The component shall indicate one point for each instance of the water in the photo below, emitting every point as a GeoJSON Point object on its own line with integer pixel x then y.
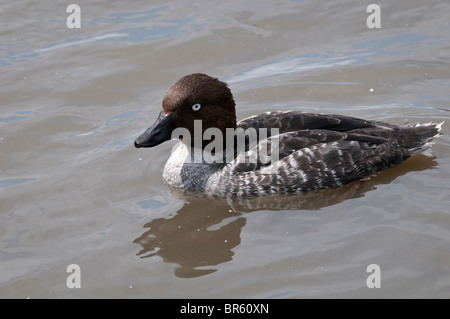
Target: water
{"type": "Point", "coordinates": [74, 190]}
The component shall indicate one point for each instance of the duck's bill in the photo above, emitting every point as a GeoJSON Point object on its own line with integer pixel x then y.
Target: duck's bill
{"type": "Point", "coordinates": [158, 133]}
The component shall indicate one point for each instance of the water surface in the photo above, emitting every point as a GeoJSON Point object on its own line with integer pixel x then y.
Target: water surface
{"type": "Point", "coordinates": [74, 190]}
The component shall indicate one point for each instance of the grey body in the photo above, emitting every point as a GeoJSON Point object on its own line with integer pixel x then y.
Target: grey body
{"type": "Point", "coordinates": [316, 151]}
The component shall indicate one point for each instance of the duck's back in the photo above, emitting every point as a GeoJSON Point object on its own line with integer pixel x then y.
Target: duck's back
{"type": "Point", "coordinates": [318, 151]}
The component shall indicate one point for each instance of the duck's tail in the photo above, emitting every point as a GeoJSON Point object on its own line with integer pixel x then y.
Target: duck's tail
{"type": "Point", "coordinates": [419, 137]}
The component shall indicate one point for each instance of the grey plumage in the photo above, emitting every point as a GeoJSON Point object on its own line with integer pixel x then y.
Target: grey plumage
{"type": "Point", "coordinates": [320, 151]}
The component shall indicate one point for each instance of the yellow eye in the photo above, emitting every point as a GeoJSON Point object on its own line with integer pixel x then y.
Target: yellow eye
{"type": "Point", "coordinates": [196, 107]}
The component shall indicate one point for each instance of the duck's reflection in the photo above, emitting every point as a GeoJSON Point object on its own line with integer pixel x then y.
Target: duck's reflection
{"type": "Point", "coordinates": [201, 234]}
{"type": "Point", "coordinates": [204, 231]}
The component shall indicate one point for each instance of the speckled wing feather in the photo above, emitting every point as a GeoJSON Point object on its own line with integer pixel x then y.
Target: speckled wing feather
{"type": "Point", "coordinates": [287, 143]}
{"type": "Point", "coordinates": [296, 120]}
{"type": "Point", "coordinates": [312, 159]}
{"type": "Point", "coordinates": [415, 138]}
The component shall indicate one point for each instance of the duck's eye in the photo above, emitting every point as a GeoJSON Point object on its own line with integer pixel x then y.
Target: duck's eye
{"type": "Point", "coordinates": [196, 107]}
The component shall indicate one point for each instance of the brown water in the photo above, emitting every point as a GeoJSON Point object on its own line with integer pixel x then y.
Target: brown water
{"type": "Point", "coordinates": [74, 190]}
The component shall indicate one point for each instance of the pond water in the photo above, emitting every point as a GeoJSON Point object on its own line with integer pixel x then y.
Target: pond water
{"type": "Point", "coordinates": [74, 190]}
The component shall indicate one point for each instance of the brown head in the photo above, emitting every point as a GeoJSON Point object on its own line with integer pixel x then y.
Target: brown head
{"type": "Point", "coordinates": [193, 97]}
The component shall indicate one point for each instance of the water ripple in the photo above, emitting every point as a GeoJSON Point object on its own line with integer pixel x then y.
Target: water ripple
{"type": "Point", "coordinates": [14, 181]}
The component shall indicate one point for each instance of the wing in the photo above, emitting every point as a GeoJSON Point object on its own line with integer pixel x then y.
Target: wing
{"type": "Point", "coordinates": [309, 159]}
{"type": "Point", "coordinates": [296, 120]}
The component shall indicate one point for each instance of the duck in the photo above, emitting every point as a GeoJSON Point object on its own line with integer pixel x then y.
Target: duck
{"type": "Point", "coordinates": [313, 151]}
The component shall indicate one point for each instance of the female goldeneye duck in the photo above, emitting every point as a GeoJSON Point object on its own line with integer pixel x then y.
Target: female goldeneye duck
{"type": "Point", "coordinates": [312, 150]}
